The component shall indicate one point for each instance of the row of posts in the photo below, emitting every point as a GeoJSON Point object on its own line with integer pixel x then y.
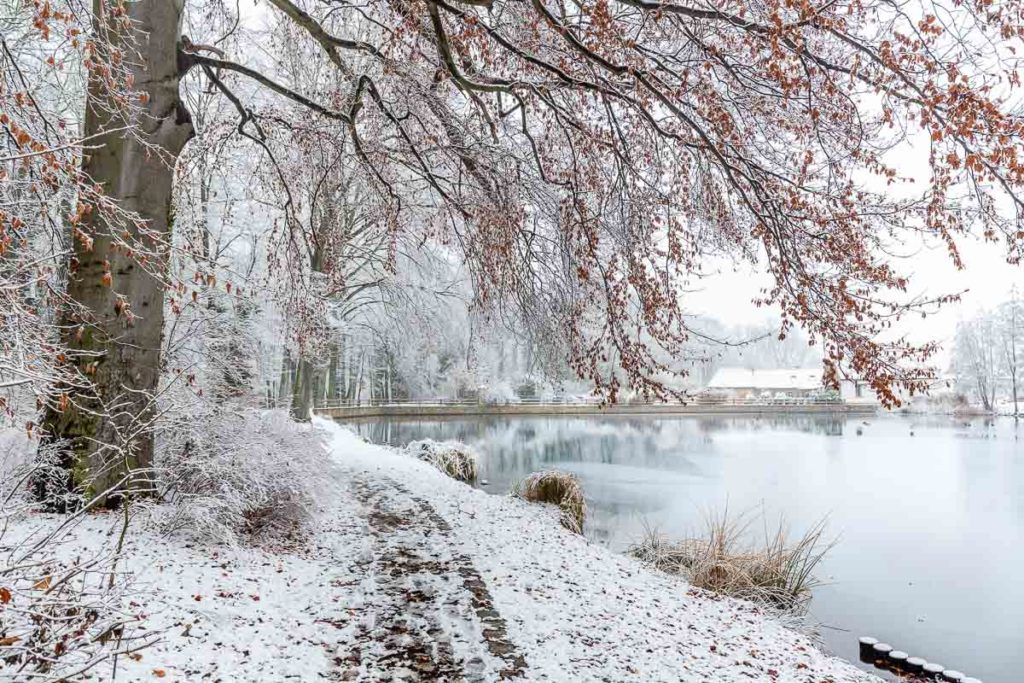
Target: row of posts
{"type": "Point", "coordinates": [884, 656]}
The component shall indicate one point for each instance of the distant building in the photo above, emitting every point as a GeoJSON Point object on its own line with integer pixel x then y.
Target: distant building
{"type": "Point", "coordinates": [744, 383]}
{"type": "Point", "coordinates": [857, 391]}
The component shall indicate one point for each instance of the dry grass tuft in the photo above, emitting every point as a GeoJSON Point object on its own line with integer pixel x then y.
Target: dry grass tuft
{"type": "Point", "coordinates": [557, 488]}
{"type": "Point", "coordinates": [455, 459]}
{"type": "Point", "coordinates": [773, 572]}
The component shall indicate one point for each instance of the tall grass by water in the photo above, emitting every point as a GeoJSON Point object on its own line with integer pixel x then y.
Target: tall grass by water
{"type": "Point", "coordinates": [557, 488]}
{"type": "Point", "coordinates": [766, 567]}
{"type": "Point", "coordinates": [455, 459]}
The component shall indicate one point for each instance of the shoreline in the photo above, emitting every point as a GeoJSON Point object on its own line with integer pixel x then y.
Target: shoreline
{"type": "Point", "coordinates": [410, 575]}
{"type": "Point", "coordinates": [555, 410]}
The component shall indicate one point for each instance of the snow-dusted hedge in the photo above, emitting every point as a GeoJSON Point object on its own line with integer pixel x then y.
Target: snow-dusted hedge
{"type": "Point", "coordinates": [455, 459]}
{"type": "Point", "coordinates": [233, 474]}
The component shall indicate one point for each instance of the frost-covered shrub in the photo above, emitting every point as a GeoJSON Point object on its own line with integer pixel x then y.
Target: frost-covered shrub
{"type": "Point", "coordinates": [237, 472]}
{"type": "Point", "coordinates": [556, 488]}
{"type": "Point", "coordinates": [61, 608]}
{"type": "Point", "coordinates": [455, 459]}
{"type": "Point", "coordinates": [500, 393]}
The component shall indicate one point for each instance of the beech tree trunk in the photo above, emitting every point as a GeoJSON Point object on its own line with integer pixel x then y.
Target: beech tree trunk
{"type": "Point", "coordinates": [331, 390]}
{"type": "Point", "coordinates": [107, 446]}
{"type": "Point", "coordinates": [308, 372]}
{"type": "Point", "coordinates": [284, 385]}
{"type": "Point", "coordinates": [302, 394]}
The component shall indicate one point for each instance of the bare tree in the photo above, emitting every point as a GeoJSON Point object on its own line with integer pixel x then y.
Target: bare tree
{"type": "Point", "coordinates": [1010, 326]}
{"type": "Point", "coordinates": [976, 358]}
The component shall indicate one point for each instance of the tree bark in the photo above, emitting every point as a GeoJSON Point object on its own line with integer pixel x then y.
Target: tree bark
{"type": "Point", "coordinates": [308, 372]}
{"type": "Point", "coordinates": [284, 384]}
{"type": "Point", "coordinates": [332, 372]}
{"type": "Point", "coordinates": [302, 397]}
{"type": "Point", "coordinates": [106, 445]}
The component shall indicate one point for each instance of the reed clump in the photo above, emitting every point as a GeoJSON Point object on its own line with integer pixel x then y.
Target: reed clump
{"type": "Point", "coordinates": [556, 488]}
{"type": "Point", "coordinates": [769, 568]}
{"type": "Point", "coordinates": [455, 459]}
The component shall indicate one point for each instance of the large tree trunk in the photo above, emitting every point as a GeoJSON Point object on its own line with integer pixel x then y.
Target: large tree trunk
{"type": "Point", "coordinates": [308, 372]}
{"type": "Point", "coordinates": [107, 446]}
{"type": "Point", "coordinates": [302, 397]}
{"type": "Point", "coordinates": [331, 391]}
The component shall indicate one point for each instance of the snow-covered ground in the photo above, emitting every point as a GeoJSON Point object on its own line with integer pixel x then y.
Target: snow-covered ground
{"type": "Point", "coordinates": [413, 576]}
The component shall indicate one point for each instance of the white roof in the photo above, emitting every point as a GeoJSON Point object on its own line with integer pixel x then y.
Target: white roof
{"type": "Point", "coordinates": [803, 379]}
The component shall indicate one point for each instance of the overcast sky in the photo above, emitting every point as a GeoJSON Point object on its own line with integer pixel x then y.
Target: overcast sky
{"type": "Point", "coordinates": [986, 278]}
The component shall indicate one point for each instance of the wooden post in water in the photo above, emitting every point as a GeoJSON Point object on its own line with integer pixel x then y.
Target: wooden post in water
{"type": "Point", "coordinates": [898, 660]}
{"type": "Point", "coordinates": [867, 649]}
{"type": "Point", "coordinates": [915, 665]}
{"type": "Point", "coordinates": [883, 656]}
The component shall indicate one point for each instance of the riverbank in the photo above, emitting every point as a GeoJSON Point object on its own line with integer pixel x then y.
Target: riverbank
{"type": "Point", "coordinates": [410, 575]}
{"type": "Point", "coordinates": [425, 410]}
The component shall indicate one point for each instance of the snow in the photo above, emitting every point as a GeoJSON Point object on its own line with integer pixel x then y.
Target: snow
{"type": "Point", "coordinates": [410, 575]}
{"type": "Point", "coordinates": [797, 379]}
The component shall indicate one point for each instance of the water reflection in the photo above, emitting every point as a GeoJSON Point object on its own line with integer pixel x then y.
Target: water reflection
{"type": "Point", "coordinates": [929, 510]}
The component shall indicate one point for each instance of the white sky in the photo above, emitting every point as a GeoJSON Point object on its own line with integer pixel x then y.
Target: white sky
{"type": "Point", "coordinates": [986, 277]}
{"type": "Point", "coordinates": [985, 280]}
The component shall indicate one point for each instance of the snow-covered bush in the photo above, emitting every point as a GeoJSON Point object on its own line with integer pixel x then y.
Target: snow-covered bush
{"type": "Point", "coordinates": [557, 488]}
{"type": "Point", "coordinates": [500, 393]}
{"type": "Point", "coordinates": [232, 473]}
{"type": "Point", "coordinates": [455, 459]}
{"type": "Point", "coordinates": [61, 608]}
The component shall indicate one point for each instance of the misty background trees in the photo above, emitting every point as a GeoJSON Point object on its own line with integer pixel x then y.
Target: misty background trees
{"type": "Point", "coordinates": [987, 352]}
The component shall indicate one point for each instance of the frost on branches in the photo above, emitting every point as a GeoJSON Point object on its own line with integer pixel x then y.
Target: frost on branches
{"type": "Point", "coordinates": [44, 196]}
{"type": "Point", "coordinates": [63, 608]}
{"type": "Point", "coordinates": [589, 160]}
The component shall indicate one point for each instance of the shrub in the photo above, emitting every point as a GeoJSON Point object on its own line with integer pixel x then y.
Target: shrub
{"type": "Point", "coordinates": [61, 608]}
{"type": "Point", "coordinates": [774, 573]}
{"type": "Point", "coordinates": [557, 488]}
{"type": "Point", "coordinates": [235, 473]}
{"type": "Point", "coordinates": [455, 459]}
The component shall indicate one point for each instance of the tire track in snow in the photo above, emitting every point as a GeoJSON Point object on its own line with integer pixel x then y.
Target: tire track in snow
{"type": "Point", "coordinates": [432, 617]}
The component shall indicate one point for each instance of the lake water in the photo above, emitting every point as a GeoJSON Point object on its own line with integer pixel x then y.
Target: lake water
{"type": "Point", "coordinates": [929, 512]}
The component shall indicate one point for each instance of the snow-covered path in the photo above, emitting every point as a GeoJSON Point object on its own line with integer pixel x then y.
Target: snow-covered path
{"type": "Point", "coordinates": [558, 607]}
{"type": "Point", "coordinates": [410, 575]}
{"type": "Point", "coordinates": [433, 618]}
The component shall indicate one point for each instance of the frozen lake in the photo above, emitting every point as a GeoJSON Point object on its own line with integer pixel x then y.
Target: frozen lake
{"type": "Point", "coordinates": [929, 512]}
